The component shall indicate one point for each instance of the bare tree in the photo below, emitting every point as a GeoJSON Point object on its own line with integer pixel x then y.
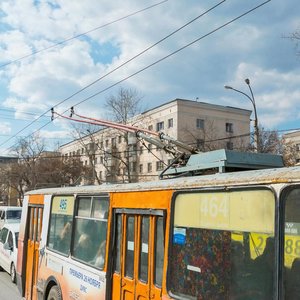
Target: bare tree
{"type": "Point", "coordinates": [36, 168]}
{"type": "Point", "coordinates": [124, 105]}
{"type": "Point", "coordinates": [289, 152]}
{"type": "Point", "coordinates": [295, 37]}
{"type": "Point", "coordinates": [85, 134]}
{"type": "Point", "coordinates": [269, 142]}
{"type": "Point", "coordinates": [122, 108]}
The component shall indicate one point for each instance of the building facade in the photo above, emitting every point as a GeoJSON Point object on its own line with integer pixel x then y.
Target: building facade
{"type": "Point", "coordinates": [117, 156]}
{"type": "Point", "coordinates": [292, 141]}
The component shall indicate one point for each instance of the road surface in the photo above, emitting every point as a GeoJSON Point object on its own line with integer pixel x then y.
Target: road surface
{"type": "Point", "coordinates": [8, 290]}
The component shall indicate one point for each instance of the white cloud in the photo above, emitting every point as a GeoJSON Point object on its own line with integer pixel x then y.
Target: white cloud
{"type": "Point", "coordinates": [5, 128]}
{"type": "Point", "coordinates": [277, 94]}
{"type": "Point", "coordinates": [250, 47]}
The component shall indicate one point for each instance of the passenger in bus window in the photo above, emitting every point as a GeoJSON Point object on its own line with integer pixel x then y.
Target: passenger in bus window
{"type": "Point", "coordinates": [237, 268]}
{"type": "Point", "coordinates": [293, 279]}
{"type": "Point", "coordinates": [84, 248]}
{"type": "Point", "coordinates": [63, 241]}
{"type": "Point", "coordinates": [262, 269]}
{"type": "Point", "coordinates": [99, 259]}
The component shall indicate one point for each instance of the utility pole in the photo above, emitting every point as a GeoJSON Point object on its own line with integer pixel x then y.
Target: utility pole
{"type": "Point", "coordinates": [252, 99]}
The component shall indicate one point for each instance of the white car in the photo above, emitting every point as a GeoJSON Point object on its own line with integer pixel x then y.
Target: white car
{"type": "Point", "coordinates": [10, 214]}
{"type": "Point", "coordinates": [9, 235]}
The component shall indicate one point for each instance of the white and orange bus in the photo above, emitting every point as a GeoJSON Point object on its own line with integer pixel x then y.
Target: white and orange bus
{"type": "Point", "coordinates": [221, 236]}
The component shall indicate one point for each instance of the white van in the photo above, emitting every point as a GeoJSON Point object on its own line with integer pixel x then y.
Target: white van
{"type": "Point", "coordinates": [10, 214]}
{"type": "Point", "coordinates": [9, 235]}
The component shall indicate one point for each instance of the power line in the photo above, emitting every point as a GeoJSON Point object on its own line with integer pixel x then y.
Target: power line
{"type": "Point", "coordinates": [80, 34]}
{"type": "Point", "coordinates": [169, 55]}
{"type": "Point", "coordinates": [20, 111]}
{"type": "Point", "coordinates": [110, 72]}
{"type": "Point", "coordinates": [147, 67]}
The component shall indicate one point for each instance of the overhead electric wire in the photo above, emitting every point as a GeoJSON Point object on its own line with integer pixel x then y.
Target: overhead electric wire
{"type": "Point", "coordinates": [81, 34]}
{"type": "Point", "coordinates": [113, 70]}
{"type": "Point", "coordinates": [154, 63]}
{"type": "Point", "coordinates": [171, 54]}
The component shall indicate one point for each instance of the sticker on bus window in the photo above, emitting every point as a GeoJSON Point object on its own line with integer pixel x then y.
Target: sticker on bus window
{"type": "Point", "coordinates": [179, 236]}
{"type": "Point", "coordinates": [292, 228]}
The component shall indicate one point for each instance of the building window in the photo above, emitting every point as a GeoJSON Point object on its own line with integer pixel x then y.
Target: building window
{"type": "Point", "coordinates": [133, 166]}
{"type": "Point", "coordinates": [150, 127]}
{"type": "Point", "coordinates": [298, 147]}
{"type": "Point", "coordinates": [229, 127]}
{"type": "Point", "coordinates": [149, 167]}
{"type": "Point", "coordinates": [170, 123]}
{"type": "Point", "coordinates": [106, 143]}
{"type": "Point", "coordinates": [100, 175]}
{"type": "Point", "coordinates": [200, 123]}
{"type": "Point", "coordinates": [149, 147]}
{"type": "Point", "coordinates": [159, 126]}
{"type": "Point", "coordinates": [229, 145]}
{"type": "Point", "coordinates": [200, 144]}
{"type": "Point", "coordinates": [141, 149]}
{"type": "Point", "coordinates": [159, 165]}
{"type": "Point", "coordinates": [141, 168]}
{"type": "Point", "coordinates": [113, 142]}
{"type": "Point", "coordinates": [101, 145]}
{"type": "Point", "coordinates": [119, 139]}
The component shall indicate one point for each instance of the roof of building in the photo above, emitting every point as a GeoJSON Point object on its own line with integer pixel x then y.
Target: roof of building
{"type": "Point", "coordinates": [186, 101]}
{"type": "Point", "coordinates": [200, 103]}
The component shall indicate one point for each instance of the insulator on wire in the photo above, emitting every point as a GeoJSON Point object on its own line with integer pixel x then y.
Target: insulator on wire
{"type": "Point", "coordinates": [52, 114]}
{"type": "Point", "coordinates": [72, 112]}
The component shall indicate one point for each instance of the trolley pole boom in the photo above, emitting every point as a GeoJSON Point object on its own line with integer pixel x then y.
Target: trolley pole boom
{"type": "Point", "coordinates": [158, 139]}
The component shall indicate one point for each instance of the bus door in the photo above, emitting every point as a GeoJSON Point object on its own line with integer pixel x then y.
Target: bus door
{"type": "Point", "coordinates": [139, 252]}
{"type": "Point", "coordinates": [35, 216]}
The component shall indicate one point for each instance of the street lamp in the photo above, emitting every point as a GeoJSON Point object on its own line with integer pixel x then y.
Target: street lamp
{"type": "Point", "coordinates": [252, 99]}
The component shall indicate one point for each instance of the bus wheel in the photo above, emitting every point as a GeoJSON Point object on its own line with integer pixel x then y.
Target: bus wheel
{"type": "Point", "coordinates": [13, 273]}
{"type": "Point", "coordinates": [55, 293]}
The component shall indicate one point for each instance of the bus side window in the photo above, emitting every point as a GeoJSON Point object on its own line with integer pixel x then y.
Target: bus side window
{"type": "Point", "coordinates": [59, 237]}
{"type": "Point", "coordinates": [90, 230]}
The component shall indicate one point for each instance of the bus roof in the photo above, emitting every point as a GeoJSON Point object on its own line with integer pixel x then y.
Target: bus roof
{"type": "Point", "coordinates": [254, 177]}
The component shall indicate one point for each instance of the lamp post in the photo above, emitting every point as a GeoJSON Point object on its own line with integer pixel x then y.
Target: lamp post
{"type": "Point", "coordinates": [252, 99]}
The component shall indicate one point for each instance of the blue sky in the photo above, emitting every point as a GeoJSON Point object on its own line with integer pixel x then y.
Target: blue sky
{"type": "Point", "coordinates": [252, 47]}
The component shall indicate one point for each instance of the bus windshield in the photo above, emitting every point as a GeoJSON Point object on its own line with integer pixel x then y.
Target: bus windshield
{"type": "Point", "coordinates": [223, 245]}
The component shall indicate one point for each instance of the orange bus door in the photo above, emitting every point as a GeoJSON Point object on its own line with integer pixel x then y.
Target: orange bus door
{"type": "Point", "coordinates": [33, 240]}
{"type": "Point", "coordinates": [138, 264]}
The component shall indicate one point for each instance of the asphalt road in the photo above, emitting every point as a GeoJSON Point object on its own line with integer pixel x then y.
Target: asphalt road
{"type": "Point", "coordinates": [8, 290]}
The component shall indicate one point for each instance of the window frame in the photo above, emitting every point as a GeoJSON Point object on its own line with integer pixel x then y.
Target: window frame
{"type": "Point", "coordinates": [104, 219]}
{"type": "Point", "coordinates": [200, 123]}
{"type": "Point", "coordinates": [170, 123]}
{"type": "Point", "coordinates": [217, 190]}
{"type": "Point", "coordinates": [160, 126]}
{"type": "Point", "coordinates": [229, 127]}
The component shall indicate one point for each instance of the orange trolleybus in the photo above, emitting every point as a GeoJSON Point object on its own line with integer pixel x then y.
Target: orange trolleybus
{"type": "Point", "coordinates": [221, 236]}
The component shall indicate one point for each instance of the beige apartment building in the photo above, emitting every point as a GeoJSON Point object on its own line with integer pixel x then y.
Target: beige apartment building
{"type": "Point", "coordinates": [292, 140]}
{"type": "Point", "coordinates": [117, 156]}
